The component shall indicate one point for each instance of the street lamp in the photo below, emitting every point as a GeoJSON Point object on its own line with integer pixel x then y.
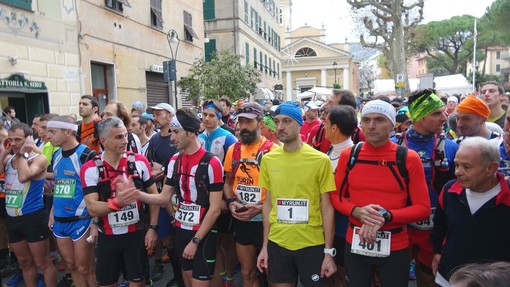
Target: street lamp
{"type": "Point", "coordinates": [170, 67]}
{"type": "Point", "coordinates": [334, 67]}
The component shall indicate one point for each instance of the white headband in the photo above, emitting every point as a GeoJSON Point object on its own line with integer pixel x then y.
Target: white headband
{"type": "Point", "coordinates": [175, 123]}
{"type": "Point", "coordinates": [62, 125]}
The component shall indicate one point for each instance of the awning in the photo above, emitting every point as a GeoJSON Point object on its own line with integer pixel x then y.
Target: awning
{"type": "Point", "coordinates": [316, 93]}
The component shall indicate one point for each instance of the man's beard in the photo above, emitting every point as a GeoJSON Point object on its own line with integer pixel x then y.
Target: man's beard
{"type": "Point", "coordinates": [249, 137]}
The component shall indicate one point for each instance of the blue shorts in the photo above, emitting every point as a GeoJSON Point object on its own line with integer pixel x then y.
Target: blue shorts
{"type": "Point", "coordinates": [74, 229]}
{"type": "Point", "coordinates": [165, 226]}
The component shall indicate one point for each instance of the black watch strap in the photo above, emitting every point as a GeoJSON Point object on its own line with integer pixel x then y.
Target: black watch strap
{"type": "Point", "coordinates": [155, 227]}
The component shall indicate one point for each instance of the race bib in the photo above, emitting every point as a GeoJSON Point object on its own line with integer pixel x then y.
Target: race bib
{"type": "Point", "coordinates": [126, 216]}
{"type": "Point", "coordinates": [188, 214]}
{"type": "Point", "coordinates": [380, 248]}
{"type": "Point", "coordinates": [292, 211]}
{"type": "Point", "coordinates": [248, 194]}
{"type": "Point", "coordinates": [64, 188]}
{"type": "Point", "coordinates": [426, 224]}
{"type": "Point", "coordinates": [13, 198]}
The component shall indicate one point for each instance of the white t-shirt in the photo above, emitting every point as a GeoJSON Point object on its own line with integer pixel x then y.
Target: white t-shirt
{"type": "Point", "coordinates": [477, 199]}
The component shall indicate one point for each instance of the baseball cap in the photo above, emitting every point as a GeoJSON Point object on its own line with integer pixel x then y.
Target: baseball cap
{"type": "Point", "coordinates": [161, 106]}
{"type": "Point", "coordinates": [311, 106]}
{"type": "Point", "coordinates": [250, 111]}
{"type": "Point", "coordinates": [148, 116]}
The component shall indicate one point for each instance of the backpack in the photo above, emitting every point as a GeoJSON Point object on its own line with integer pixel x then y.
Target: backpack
{"type": "Point", "coordinates": [201, 176]}
{"type": "Point", "coordinates": [104, 184]}
{"type": "Point", "coordinates": [441, 172]}
{"type": "Point", "coordinates": [400, 162]}
{"type": "Point", "coordinates": [236, 154]}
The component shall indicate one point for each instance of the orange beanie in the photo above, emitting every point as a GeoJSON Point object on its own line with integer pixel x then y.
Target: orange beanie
{"type": "Point", "coordinates": [473, 105]}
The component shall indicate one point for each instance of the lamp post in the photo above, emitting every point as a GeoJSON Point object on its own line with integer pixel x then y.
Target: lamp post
{"type": "Point", "coordinates": [170, 67]}
{"type": "Point", "coordinates": [334, 67]}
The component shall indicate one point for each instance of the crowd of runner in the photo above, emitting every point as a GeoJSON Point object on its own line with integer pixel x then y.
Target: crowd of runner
{"type": "Point", "coordinates": [339, 192]}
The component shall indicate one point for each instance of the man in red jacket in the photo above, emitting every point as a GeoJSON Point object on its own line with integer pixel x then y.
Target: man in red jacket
{"type": "Point", "coordinates": [379, 201]}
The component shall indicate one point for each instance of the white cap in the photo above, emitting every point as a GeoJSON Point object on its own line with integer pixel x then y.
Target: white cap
{"type": "Point", "coordinates": [161, 106]}
{"type": "Point", "coordinates": [380, 107]}
{"type": "Point", "coordinates": [453, 99]}
{"type": "Point", "coordinates": [311, 106]}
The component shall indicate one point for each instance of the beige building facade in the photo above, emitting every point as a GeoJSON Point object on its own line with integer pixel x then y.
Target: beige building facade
{"type": "Point", "coordinates": [251, 29]}
{"type": "Point", "coordinates": [309, 62]}
{"type": "Point", "coordinates": [53, 52]}
{"type": "Point", "coordinates": [39, 57]}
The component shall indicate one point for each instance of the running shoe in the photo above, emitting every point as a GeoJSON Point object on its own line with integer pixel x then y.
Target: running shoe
{"type": "Point", "coordinates": [157, 271]}
{"type": "Point", "coordinates": [412, 271]}
{"type": "Point", "coordinates": [124, 283]}
{"type": "Point", "coordinates": [9, 269]}
{"type": "Point", "coordinates": [15, 280]}
{"type": "Point", "coordinates": [228, 283]}
{"type": "Point", "coordinates": [66, 281]}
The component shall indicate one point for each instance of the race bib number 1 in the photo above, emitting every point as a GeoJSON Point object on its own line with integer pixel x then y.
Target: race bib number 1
{"type": "Point", "coordinates": [292, 211]}
{"type": "Point", "coordinates": [13, 198]}
{"type": "Point", "coordinates": [380, 248]}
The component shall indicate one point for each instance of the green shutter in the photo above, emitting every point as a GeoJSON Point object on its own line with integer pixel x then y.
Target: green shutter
{"type": "Point", "coordinates": [23, 4]}
{"type": "Point", "coordinates": [247, 53]}
{"type": "Point", "coordinates": [209, 12]}
{"type": "Point", "coordinates": [210, 48]}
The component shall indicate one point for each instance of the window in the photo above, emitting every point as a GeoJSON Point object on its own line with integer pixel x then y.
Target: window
{"type": "Point", "coordinates": [265, 63]}
{"type": "Point", "coordinates": [189, 34]}
{"type": "Point", "coordinates": [265, 34]}
{"type": "Point", "coordinates": [117, 5]}
{"type": "Point", "coordinates": [306, 52]}
{"type": "Point", "coordinates": [278, 70]}
{"type": "Point", "coordinates": [209, 12]}
{"type": "Point", "coordinates": [23, 4]}
{"type": "Point", "coordinates": [246, 11]}
{"type": "Point", "coordinates": [210, 49]}
{"type": "Point", "coordinates": [281, 17]}
{"type": "Point", "coordinates": [498, 67]}
{"type": "Point", "coordinates": [257, 21]}
{"type": "Point", "coordinates": [247, 53]}
{"type": "Point", "coordinates": [252, 21]}
{"type": "Point", "coordinates": [260, 58]}
{"type": "Point", "coordinates": [498, 55]}
{"type": "Point", "coordinates": [156, 14]}
{"type": "Point", "coordinates": [255, 57]}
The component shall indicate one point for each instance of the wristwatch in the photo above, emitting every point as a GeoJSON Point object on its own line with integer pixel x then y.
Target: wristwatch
{"type": "Point", "coordinates": [386, 215]}
{"type": "Point", "coordinates": [155, 227]}
{"type": "Point", "coordinates": [330, 251]}
{"type": "Point", "coordinates": [196, 240]}
{"type": "Point", "coordinates": [26, 155]}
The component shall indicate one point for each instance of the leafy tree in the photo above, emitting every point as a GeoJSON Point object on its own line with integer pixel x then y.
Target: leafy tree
{"type": "Point", "coordinates": [389, 23]}
{"type": "Point", "coordinates": [496, 18]}
{"type": "Point", "coordinates": [481, 78]}
{"type": "Point", "coordinates": [222, 76]}
{"type": "Point", "coordinates": [448, 43]}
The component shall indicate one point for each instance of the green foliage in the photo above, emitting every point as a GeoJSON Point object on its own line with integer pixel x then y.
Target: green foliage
{"type": "Point", "coordinates": [337, 86]}
{"type": "Point", "coordinates": [448, 43]}
{"type": "Point", "coordinates": [222, 76]}
{"type": "Point", "coordinates": [480, 78]}
{"type": "Point", "coordinates": [494, 23]}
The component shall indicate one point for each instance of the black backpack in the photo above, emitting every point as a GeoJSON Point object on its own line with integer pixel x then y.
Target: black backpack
{"type": "Point", "coordinates": [201, 176]}
{"type": "Point", "coordinates": [400, 162]}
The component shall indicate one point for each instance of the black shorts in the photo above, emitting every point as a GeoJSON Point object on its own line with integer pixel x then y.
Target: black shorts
{"type": "Point", "coordinates": [3, 211]}
{"type": "Point", "coordinates": [224, 223]}
{"type": "Point", "coordinates": [32, 227]}
{"type": "Point", "coordinates": [124, 253]}
{"type": "Point", "coordinates": [248, 232]}
{"type": "Point", "coordinates": [339, 244]}
{"type": "Point", "coordinates": [285, 266]}
{"type": "Point", "coordinates": [393, 270]}
{"type": "Point", "coordinates": [205, 257]}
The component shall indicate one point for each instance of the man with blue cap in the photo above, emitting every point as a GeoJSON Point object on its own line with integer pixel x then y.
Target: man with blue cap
{"type": "Point", "coordinates": [298, 240]}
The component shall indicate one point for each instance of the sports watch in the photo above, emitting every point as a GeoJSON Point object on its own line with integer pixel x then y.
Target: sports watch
{"type": "Point", "coordinates": [386, 215]}
{"type": "Point", "coordinates": [196, 240]}
{"type": "Point", "coordinates": [330, 251]}
{"type": "Point", "coordinates": [26, 155]}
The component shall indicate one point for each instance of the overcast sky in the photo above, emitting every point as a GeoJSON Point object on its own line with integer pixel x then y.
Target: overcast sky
{"type": "Point", "coordinates": [335, 14]}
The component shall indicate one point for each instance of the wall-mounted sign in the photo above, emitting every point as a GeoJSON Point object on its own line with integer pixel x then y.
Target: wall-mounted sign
{"type": "Point", "coordinates": [18, 82]}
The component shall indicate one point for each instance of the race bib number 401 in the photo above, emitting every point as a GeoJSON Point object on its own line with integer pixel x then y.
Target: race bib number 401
{"type": "Point", "coordinates": [292, 211]}
{"type": "Point", "coordinates": [380, 248]}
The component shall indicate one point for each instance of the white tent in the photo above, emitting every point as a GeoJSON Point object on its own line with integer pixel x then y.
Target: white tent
{"type": "Point", "coordinates": [263, 94]}
{"type": "Point", "coordinates": [452, 84]}
{"type": "Point", "coordinates": [317, 93]}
